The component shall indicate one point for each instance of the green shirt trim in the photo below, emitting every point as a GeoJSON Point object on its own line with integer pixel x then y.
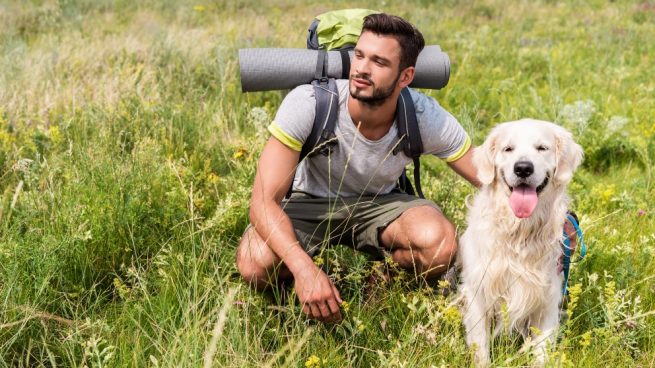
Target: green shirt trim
{"type": "Point", "coordinates": [283, 137]}
{"type": "Point", "coordinates": [457, 155]}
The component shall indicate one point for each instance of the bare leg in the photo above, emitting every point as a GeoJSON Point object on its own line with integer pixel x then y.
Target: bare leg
{"type": "Point", "coordinates": [422, 240]}
{"type": "Point", "coordinates": [257, 263]}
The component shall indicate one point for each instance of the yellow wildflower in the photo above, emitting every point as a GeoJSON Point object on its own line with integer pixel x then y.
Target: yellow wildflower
{"type": "Point", "coordinates": [55, 135]}
{"type": "Point", "coordinates": [451, 315]}
{"type": "Point", "coordinates": [213, 178]}
{"type": "Point", "coordinates": [585, 339]}
{"type": "Point", "coordinates": [535, 331]}
{"type": "Point", "coordinates": [239, 153]}
{"type": "Point", "coordinates": [345, 306]}
{"type": "Point", "coordinates": [6, 139]}
{"type": "Point", "coordinates": [359, 324]}
{"type": "Point", "coordinates": [610, 291]}
{"type": "Point", "coordinates": [574, 295]}
{"type": "Point", "coordinates": [199, 8]}
{"type": "Point", "coordinates": [314, 361]}
{"type": "Point", "coordinates": [608, 193]}
{"type": "Point", "coordinates": [443, 284]}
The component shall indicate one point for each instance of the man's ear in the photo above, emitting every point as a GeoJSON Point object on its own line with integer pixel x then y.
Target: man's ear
{"type": "Point", "coordinates": [406, 77]}
{"type": "Point", "coordinates": [483, 159]}
{"type": "Point", "coordinates": [568, 154]}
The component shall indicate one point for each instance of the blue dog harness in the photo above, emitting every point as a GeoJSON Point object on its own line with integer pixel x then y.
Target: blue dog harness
{"type": "Point", "coordinates": [566, 262]}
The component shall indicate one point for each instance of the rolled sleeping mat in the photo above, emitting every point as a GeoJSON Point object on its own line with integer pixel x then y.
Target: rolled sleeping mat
{"type": "Point", "coordinates": [266, 69]}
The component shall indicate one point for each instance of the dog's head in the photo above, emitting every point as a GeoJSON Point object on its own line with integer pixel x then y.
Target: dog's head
{"type": "Point", "coordinates": [527, 157]}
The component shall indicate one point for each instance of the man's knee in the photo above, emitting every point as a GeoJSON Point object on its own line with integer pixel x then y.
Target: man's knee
{"type": "Point", "coordinates": [435, 244]}
{"type": "Point", "coordinates": [254, 259]}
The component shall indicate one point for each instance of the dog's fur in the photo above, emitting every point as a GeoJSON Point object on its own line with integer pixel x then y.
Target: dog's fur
{"type": "Point", "coordinates": [513, 261]}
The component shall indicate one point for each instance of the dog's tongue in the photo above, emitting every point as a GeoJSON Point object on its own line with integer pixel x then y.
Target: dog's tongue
{"type": "Point", "coordinates": [523, 201]}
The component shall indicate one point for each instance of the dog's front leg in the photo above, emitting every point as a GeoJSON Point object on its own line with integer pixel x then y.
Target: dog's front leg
{"type": "Point", "coordinates": [476, 323]}
{"type": "Point", "coordinates": [547, 324]}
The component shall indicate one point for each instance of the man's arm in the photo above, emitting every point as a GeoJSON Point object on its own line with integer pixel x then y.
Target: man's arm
{"type": "Point", "coordinates": [275, 171]}
{"type": "Point", "coordinates": [465, 168]}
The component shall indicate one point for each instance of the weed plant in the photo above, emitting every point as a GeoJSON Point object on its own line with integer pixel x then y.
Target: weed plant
{"type": "Point", "coordinates": [127, 154]}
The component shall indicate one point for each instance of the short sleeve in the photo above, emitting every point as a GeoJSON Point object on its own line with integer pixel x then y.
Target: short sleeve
{"type": "Point", "coordinates": [294, 119]}
{"type": "Point", "coordinates": [441, 133]}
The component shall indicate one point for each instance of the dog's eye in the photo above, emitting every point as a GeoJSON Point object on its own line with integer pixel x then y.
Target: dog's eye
{"type": "Point", "coordinates": [542, 148]}
{"type": "Point", "coordinates": [508, 149]}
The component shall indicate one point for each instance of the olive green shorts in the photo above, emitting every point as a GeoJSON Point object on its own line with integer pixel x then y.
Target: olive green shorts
{"type": "Point", "coordinates": [356, 222]}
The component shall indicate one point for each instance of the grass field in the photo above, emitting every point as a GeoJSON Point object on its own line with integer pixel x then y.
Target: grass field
{"type": "Point", "coordinates": [127, 153]}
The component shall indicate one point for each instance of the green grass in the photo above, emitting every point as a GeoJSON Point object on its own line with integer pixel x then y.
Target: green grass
{"type": "Point", "coordinates": [127, 153]}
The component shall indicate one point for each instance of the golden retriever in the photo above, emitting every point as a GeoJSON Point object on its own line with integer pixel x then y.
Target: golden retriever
{"type": "Point", "coordinates": [510, 249]}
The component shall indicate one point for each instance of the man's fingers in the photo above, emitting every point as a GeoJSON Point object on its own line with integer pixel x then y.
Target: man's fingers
{"type": "Point", "coordinates": [571, 233]}
{"type": "Point", "coordinates": [325, 311]}
{"type": "Point", "coordinates": [316, 313]}
{"type": "Point", "coordinates": [334, 310]}
{"type": "Point", "coordinates": [336, 294]}
{"type": "Point", "coordinates": [307, 310]}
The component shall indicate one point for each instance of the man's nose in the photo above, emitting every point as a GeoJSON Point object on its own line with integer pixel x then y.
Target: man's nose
{"type": "Point", "coordinates": [361, 67]}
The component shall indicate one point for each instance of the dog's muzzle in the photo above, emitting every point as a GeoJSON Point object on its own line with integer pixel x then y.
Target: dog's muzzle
{"type": "Point", "coordinates": [523, 169]}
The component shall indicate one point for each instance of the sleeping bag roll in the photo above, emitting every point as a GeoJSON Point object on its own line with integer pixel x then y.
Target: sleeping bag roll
{"type": "Point", "coordinates": [266, 69]}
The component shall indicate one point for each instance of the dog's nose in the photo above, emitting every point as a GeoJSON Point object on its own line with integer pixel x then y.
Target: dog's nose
{"type": "Point", "coordinates": [523, 169]}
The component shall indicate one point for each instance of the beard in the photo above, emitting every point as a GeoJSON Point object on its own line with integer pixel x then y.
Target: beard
{"type": "Point", "coordinates": [379, 95]}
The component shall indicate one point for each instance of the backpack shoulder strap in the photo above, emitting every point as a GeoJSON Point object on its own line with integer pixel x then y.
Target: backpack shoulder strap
{"type": "Point", "coordinates": [408, 124]}
{"type": "Point", "coordinates": [321, 138]}
{"type": "Point", "coordinates": [322, 135]}
{"type": "Point", "coordinates": [409, 133]}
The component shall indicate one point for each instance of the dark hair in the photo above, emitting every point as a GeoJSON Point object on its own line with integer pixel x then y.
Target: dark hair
{"type": "Point", "coordinates": [410, 39]}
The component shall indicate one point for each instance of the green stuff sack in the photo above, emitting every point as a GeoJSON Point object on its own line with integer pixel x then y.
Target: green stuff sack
{"type": "Point", "coordinates": [336, 30]}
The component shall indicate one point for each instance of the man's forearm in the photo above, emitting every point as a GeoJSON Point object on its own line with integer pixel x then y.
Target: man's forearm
{"type": "Point", "coordinates": [466, 169]}
{"type": "Point", "coordinates": [275, 228]}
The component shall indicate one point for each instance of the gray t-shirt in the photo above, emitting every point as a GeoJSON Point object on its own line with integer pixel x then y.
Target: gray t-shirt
{"type": "Point", "coordinates": [359, 166]}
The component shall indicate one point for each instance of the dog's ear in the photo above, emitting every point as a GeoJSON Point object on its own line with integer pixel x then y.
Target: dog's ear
{"type": "Point", "coordinates": [568, 153]}
{"type": "Point", "coordinates": [483, 159]}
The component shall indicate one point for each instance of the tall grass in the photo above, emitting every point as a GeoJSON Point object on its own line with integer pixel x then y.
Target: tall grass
{"type": "Point", "coordinates": [127, 153]}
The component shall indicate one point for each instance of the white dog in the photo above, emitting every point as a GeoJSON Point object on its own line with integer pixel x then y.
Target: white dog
{"type": "Point", "coordinates": [510, 250]}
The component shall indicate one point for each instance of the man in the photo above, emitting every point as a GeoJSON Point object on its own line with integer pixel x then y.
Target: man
{"type": "Point", "coordinates": [348, 197]}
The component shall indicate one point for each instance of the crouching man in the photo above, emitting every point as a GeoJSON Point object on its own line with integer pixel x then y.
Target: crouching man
{"type": "Point", "coordinates": [350, 196]}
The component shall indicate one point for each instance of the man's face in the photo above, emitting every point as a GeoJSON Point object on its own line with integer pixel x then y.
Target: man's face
{"type": "Point", "coordinates": [375, 68]}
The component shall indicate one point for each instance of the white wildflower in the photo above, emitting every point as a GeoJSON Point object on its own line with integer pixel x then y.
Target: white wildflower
{"type": "Point", "coordinates": [22, 165]}
{"type": "Point", "coordinates": [616, 124]}
{"type": "Point", "coordinates": [576, 116]}
{"type": "Point", "coordinates": [259, 119]}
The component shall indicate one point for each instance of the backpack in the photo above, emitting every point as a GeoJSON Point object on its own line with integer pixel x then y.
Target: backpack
{"type": "Point", "coordinates": [339, 30]}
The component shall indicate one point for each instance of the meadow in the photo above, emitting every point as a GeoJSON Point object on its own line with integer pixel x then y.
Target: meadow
{"type": "Point", "coordinates": [127, 154]}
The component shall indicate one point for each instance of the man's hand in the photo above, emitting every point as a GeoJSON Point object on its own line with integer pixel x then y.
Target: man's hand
{"type": "Point", "coordinates": [569, 229]}
{"type": "Point", "coordinates": [319, 298]}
